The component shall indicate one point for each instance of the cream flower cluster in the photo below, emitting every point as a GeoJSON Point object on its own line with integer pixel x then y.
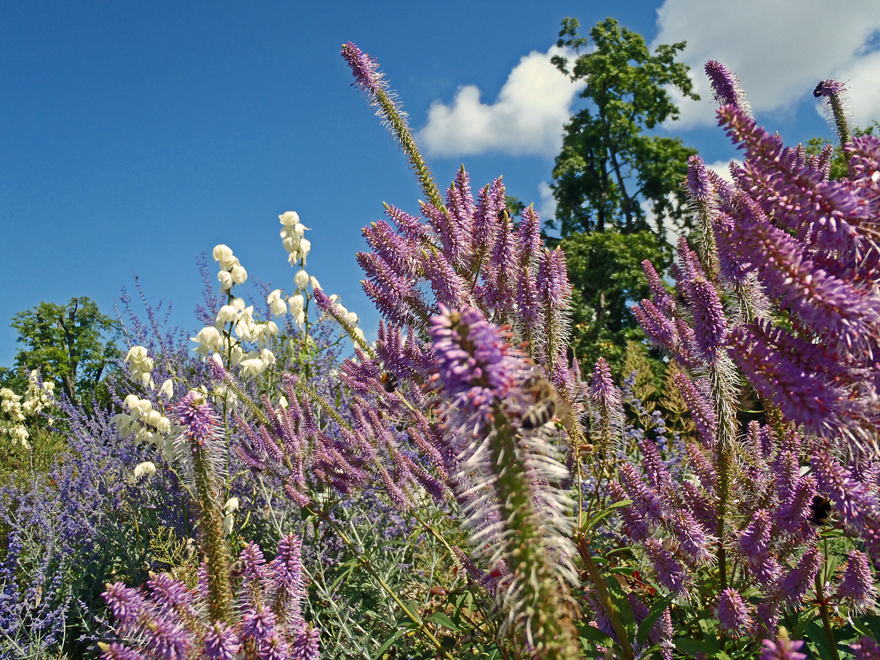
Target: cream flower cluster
{"type": "Point", "coordinates": [231, 271]}
{"type": "Point", "coordinates": [39, 396]}
{"type": "Point", "coordinates": [141, 365]}
{"type": "Point", "coordinates": [12, 418]}
{"type": "Point", "coordinates": [144, 423]}
{"type": "Point", "coordinates": [14, 413]}
{"type": "Point", "coordinates": [219, 342]}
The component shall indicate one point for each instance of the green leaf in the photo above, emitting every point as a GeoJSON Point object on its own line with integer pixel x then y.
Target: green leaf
{"type": "Point", "coordinates": [442, 620]}
{"type": "Point", "coordinates": [388, 642]}
{"type": "Point", "coordinates": [655, 613]}
{"type": "Point", "coordinates": [621, 603]}
{"type": "Point", "coordinates": [587, 525]}
{"type": "Point", "coordinates": [412, 607]}
{"type": "Point", "coordinates": [815, 631]}
{"type": "Point", "coordinates": [595, 635]}
{"type": "Point", "coordinates": [694, 646]}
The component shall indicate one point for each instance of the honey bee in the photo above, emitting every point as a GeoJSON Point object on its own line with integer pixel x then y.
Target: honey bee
{"type": "Point", "coordinates": [821, 511]}
{"type": "Point", "coordinates": [547, 404]}
{"type": "Point", "coordinates": [389, 382]}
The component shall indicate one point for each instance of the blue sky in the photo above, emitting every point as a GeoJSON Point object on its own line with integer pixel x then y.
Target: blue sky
{"type": "Point", "coordinates": [137, 135]}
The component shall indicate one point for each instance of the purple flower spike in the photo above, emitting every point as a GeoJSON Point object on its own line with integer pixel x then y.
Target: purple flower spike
{"type": "Point", "coordinates": [197, 418]}
{"type": "Point", "coordinates": [473, 359]}
{"type": "Point", "coordinates": [865, 649]}
{"type": "Point", "coordinates": [851, 499]}
{"type": "Point", "coordinates": [307, 645]}
{"type": "Point", "coordinates": [754, 541]}
{"type": "Point", "coordinates": [698, 184]}
{"type": "Point", "coordinates": [857, 585]}
{"type": "Point", "coordinates": [364, 68]}
{"type": "Point", "coordinates": [733, 613]}
{"type": "Point", "coordinates": [662, 299]}
{"type": "Point", "coordinates": [782, 648]}
{"type": "Point", "coordinates": [710, 326]}
{"type": "Point", "coordinates": [221, 643]}
{"type": "Point", "coordinates": [725, 86]}
{"type": "Point", "coordinates": [669, 572]}
{"type": "Point", "coordinates": [701, 412]}
{"type": "Point", "coordinates": [794, 585]}
{"type": "Point", "coordinates": [659, 329]}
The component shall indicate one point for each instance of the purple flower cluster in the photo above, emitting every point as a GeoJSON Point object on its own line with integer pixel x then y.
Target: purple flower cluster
{"type": "Point", "coordinates": [167, 621]}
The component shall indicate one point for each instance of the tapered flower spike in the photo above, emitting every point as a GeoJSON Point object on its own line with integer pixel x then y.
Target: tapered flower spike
{"type": "Point", "coordinates": [794, 585]}
{"type": "Point", "coordinates": [853, 502]}
{"type": "Point", "coordinates": [733, 613]}
{"type": "Point", "coordinates": [857, 586]}
{"type": "Point", "coordinates": [725, 86]}
{"type": "Point", "coordinates": [670, 573]}
{"type": "Point", "coordinates": [372, 82]}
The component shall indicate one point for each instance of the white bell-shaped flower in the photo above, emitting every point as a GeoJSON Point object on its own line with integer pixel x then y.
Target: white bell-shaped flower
{"type": "Point", "coordinates": [305, 246]}
{"type": "Point", "coordinates": [166, 390]}
{"type": "Point", "coordinates": [225, 280]}
{"type": "Point", "coordinates": [277, 306]}
{"type": "Point", "coordinates": [239, 275]}
{"type": "Point", "coordinates": [314, 282]}
{"type": "Point", "coordinates": [289, 218]}
{"type": "Point", "coordinates": [267, 357]}
{"type": "Point", "coordinates": [145, 469]}
{"type": "Point", "coordinates": [223, 254]}
{"type": "Point", "coordinates": [227, 313]}
{"type": "Point", "coordinates": [231, 506]}
{"type": "Point", "coordinates": [301, 279]}
{"type": "Point", "coordinates": [209, 339]}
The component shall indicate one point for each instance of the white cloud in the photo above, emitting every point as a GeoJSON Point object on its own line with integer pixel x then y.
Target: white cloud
{"type": "Point", "coordinates": [722, 168]}
{"type": "Point", "coordinates": [526, 118]}
{"type": "Point", "coordinates": [779, 49]}
{"type": "Point", "coordinates": [547, 205]}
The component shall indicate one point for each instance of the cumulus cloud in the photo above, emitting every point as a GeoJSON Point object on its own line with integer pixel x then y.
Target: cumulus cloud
{"type": "Point", "coordinates": [722, 168]}
{"type": "Point", "coordinates": [526, 118]}
{"type": "Point", "coordinates": [547, 203]}
{"type": "Point", "coordinates": [779, 50]}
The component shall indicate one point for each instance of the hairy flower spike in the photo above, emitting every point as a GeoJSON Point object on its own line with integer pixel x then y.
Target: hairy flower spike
{"type": "Point", "coordinates": [733, 613]}
{"type": "Point", "coordinates": [725, 86]}
{"type": "Point", "coordinates": [367, 77]}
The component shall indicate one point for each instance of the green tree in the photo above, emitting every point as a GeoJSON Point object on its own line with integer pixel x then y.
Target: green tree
{"type": "Point", "coordinates": [72, 345]}
{"type": "Point", "coordinates": [606, 273]}
{"type": "Point", "coordinates": [609, 167]}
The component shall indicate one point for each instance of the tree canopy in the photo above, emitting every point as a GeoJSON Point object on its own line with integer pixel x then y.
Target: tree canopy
{"type": "Point", "coordinates": [609, 169]}
{"type": "Point", "coordinates": [71, 345]}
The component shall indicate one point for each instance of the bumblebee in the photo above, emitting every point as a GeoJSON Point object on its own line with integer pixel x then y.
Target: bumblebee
{"type": "Point", "coordinates": [547, 403]}
{"type": "Point", "coordinates": [389, 382]}
{"type": "Point", "coordinates": [821, 510]}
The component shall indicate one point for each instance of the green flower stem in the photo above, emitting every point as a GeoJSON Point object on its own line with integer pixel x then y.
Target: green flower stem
{"type": "Point", "coordinates": [401, 131]}
{"type": "Point", "coordinates": [540, 598]}
{"type": "Point", "coordinates": [826, 619]}
{"type": "Point", "coordinates": [215, 547]}
{"type": "Point", "coordinates": [605, 597]}
{"type": "Point", "coordinates": [724, 392]}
